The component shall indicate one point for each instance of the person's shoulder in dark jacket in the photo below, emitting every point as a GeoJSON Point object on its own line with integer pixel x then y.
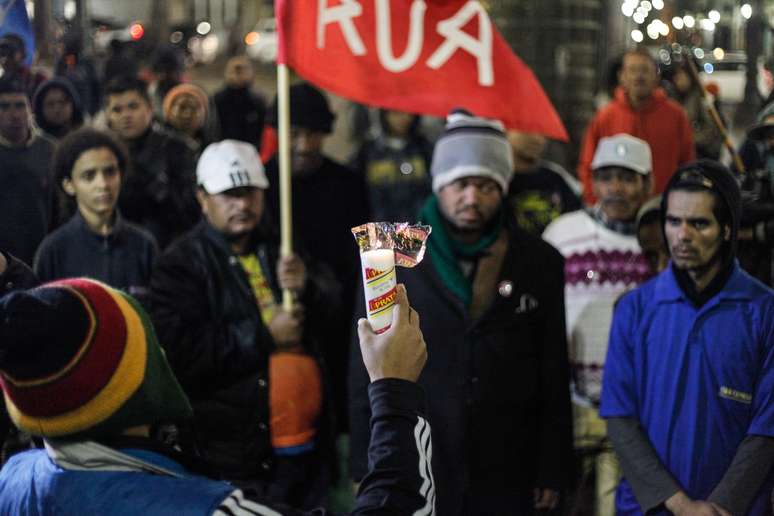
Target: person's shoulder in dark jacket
{"type": "Point", "coordinates": [181, 250]}
{"type": "Point", "coordinates": [46, 257]}
{"type": "Point", "coordinates": [537, 252]}
{"type": "Point", "coordinates": [17, 275]}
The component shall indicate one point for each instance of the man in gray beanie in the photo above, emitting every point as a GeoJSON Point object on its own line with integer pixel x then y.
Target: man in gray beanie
{"type": "Point", "coordinates": [492, 305]}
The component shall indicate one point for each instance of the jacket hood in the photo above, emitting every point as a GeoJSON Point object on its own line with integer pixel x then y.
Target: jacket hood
{"type": "Point", "coordinates": [723, 183]}
{"type": "Point", "coordinates": [65, 85]}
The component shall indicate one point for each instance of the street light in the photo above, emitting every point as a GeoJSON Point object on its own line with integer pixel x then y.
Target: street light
{"type": "Point", "coordinates": [677, 23]}
{"type": "Point", "coordinates": [689, 21]}
{"type": "Point", "coordinates": [637, 36]}
{"type": "Point", "coordinates": [746, 11]}
{"type": "Point", "coordinates": [714, 16]}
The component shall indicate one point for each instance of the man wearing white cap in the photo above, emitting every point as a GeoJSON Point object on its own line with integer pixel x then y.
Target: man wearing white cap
{"type": "Point", "coordinates": [247, 364]}
{"type": "Point", "coordinates": [602, 260]}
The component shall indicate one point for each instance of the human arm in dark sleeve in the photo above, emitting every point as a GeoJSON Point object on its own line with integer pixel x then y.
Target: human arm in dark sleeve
{"type": "Point", "coordinates": [746, 474]}
{"type": "Point", "coordinates": [651, 482]}
{"type": "Point", "coordinates": [399, 479]}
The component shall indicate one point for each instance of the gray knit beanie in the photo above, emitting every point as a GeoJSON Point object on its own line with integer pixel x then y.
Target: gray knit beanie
{"type": "Point", "coordinates": [471, 146]}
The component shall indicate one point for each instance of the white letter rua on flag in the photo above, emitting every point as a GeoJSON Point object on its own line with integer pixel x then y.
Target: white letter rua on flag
{"type": "Point", "coordinates": [419, 56]}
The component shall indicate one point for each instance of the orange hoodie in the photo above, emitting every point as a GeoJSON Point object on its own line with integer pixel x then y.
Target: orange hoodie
{"type": "Point", "coordinates": [659, 121]}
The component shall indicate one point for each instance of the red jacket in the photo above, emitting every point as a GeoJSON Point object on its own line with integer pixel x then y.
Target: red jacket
{"type": "Point", "coordinates": [660, 121]}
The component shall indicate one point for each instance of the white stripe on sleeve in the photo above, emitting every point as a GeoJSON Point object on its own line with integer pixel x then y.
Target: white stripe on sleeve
{"type": "Point", "coordinates": [236, 505]}
{"type": "Point", "coordinates": [425, 448]}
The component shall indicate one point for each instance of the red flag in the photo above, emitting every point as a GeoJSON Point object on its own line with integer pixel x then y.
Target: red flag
{"type": "Point", "coordinates": [419, 56]}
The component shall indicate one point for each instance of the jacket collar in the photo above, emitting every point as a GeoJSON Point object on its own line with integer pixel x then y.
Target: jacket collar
{"type": "Point", "coordinates": [737, 288]}
{"type": "Point", "coordinates": [117, 229]}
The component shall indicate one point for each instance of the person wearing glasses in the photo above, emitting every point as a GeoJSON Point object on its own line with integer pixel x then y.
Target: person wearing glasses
{"type": "Point", "coordinates": [688, 384]}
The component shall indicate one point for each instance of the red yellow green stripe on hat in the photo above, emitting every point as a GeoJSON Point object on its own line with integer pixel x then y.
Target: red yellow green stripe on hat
{"type": "Point", "coordinates": [101, 369]}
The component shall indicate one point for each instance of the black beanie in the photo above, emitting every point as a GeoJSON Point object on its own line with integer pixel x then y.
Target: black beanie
{"type": "Point", "coordinates": [710, 176]}
{"type": "Point", "coordinates": [308, 109]}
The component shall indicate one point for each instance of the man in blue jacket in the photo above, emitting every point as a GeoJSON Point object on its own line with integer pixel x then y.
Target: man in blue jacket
{"type": "Point", "coordinates": [81, 367]}
{"type": "Point", "coordinates": [689, 384]}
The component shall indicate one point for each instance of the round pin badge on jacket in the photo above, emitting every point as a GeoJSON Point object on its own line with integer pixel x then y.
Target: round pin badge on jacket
{"type": "Point", "coordinates": [505, 288]}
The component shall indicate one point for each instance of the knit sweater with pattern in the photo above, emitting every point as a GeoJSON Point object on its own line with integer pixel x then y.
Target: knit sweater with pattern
{"type": "Point", "coordinates": [600, 265]}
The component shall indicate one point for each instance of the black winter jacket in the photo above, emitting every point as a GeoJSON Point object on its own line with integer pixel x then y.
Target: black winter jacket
{"type": "Point", "coordinates": [497, 387]}
{"type": "Point", "coordinates": [158, 192]}
{"type": "Point", "coordinates": [208, 321]}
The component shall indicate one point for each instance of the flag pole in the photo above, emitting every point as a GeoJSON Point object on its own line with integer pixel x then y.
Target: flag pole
{"type": "Point", "coordinates": [286, 213]}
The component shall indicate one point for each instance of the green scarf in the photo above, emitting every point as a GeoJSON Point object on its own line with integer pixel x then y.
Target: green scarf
{"type": "Point", "coordinates": [445, 251]}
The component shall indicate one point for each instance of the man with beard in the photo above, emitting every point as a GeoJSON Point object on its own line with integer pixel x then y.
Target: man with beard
{"type": "Point", "coordinates": [602, 261]}
{"type": "Point", "coordinates": [491, 298]}
{"type": "Point", "coordinates": [329, 199]}
{"type": "Point", "coordinates": [249, 366]}
{"type": "Point", "coordinates": [689, 378]}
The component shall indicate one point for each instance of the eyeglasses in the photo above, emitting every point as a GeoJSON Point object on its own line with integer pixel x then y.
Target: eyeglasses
{"type": "Point", "coordinates": [694, 176]}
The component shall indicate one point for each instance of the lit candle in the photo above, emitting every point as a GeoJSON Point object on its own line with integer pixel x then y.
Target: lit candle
{"type": "Point", "coordinates": [379, 286]}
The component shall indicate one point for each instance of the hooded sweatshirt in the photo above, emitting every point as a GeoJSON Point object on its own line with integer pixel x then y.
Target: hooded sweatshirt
{"type": "Point", "coordinates": [726, 186]}
{"type": "Point", "coordinates": [659, 121]}
{"type": "Point", "coordinates": [37, 106]}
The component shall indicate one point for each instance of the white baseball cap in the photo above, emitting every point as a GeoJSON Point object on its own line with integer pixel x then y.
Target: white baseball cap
{"type": "Point", "coordinates": [623, 150]}
{"type": "Point", "coordinates": [230, 164]}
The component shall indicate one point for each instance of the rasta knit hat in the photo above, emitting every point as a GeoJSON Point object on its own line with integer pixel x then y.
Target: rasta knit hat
{"type": "Point", "coordinates": [471, 147]}
{"type": "Point", "coordinates": [79, 359]}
